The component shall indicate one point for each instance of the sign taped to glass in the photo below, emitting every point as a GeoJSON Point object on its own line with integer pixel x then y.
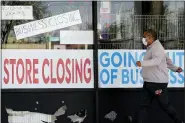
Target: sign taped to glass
{"type": "Point", "coordinates": [47, 69]}
{"type": "Point", "coordinates": [117, 68]}
{"type": "Point", "coordinates": [17, 12]}
{"type": "Point", "coordinates": [47, 24]}
{"type": "Point", "coordinates": [76, 37]}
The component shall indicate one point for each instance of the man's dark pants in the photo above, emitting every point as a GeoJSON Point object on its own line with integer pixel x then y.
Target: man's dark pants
{"type": "Point", "coordinates": [147, 98]}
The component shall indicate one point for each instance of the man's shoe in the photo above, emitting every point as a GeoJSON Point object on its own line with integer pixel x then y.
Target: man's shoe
{"type": "Point", "coordinates": [128, 119]}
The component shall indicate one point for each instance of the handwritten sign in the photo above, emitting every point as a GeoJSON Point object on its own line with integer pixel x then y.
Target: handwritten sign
{"type": "Point", "coordinates": [105, 7]}
{"type": "Point", "coordinates": [47, 24]}
{"type": "Point", "coordinates": [17, 12]}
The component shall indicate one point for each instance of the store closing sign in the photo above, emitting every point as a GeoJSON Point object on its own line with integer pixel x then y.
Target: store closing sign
{"type": "Point", "coordinates": [47, 24]}
{"type": "Point", "coordinates": [117, 68]}
{"type": "Point", "coordinates": [47, 69]}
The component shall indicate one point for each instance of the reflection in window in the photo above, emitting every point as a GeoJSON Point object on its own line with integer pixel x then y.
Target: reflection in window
{"type": "Point", "coordinates": [175, 31]}
{"type": "Point", "coordinates": [117, 28]}
{"type": "Point", "coordinates": [44, 9]}
{"type": "Point", "coordinates": [123, 26]}
{"type": "Point", "coordinates": [173, 8]}
{"type": "Point", "coordinates": [117, 24]}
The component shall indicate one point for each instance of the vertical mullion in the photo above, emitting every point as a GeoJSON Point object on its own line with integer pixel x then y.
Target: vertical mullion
{"type": "Point", "coordinates": [95, 57]}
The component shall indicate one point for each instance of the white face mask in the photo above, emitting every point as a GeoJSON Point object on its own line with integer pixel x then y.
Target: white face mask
{"type": "Point", "coordinates": [144, 41]}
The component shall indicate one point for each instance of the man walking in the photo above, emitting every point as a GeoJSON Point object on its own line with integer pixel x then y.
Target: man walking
{"type": "Point", "coordinates": [155, 67]}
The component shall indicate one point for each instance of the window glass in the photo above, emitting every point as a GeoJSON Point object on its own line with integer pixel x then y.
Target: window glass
{"type": "Point", "coordinates": [173, 7]}
{"type": "Point", "coordinates": [121, 24]}
{"type": "Point", "coordinates": [175, 31]}
{"type": "Point", "coordinates": [115, 23]}
{"type": "Point", "coordinates": [41, 10]}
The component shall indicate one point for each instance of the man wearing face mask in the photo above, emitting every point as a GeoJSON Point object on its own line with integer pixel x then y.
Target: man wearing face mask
{"type": "Point", "coordinates": [155, 67]}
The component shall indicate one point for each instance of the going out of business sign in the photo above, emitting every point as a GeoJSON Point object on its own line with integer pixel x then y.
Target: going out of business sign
{"type": "Point", "coordinates": [47, 69]}
{"type": "Point", "coordinates": [117, 68]}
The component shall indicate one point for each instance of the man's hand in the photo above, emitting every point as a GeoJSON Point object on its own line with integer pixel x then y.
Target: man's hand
{"type": "Point", "coordinates": [138, 63]}
{"type": "Point", "coordinates": [179, 70]}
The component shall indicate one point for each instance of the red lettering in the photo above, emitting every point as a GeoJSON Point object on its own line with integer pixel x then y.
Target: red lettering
{"type": "Point", "coordinates": [69, 71]}
{"type": "Point", "coordinates": [60, 79]}
{"type": "Point", "coordinates": [35, 71]}
{"type": "Point", "coordinates": [87, 79]}
{"type": "Point", "coordinates": [28, 71]}
{"type": "Point", "coordinates": [20, 79]}
{"type": "Point", "coordinates": [12, 61]}
{"type": "Point", "coordinates": [73, 70]}
{"type": "Point", "coordinates": [53, 80]}
{"type": "Point", "coordinates": [21, 71]}
{"type": "Point", "coordinates": [68, 79]}
{"type": "Point", "coordinates": [6, 80]}
{"type": "Point", "coordinates": [46, 62]}
{"type": "Point", "coordinates": [78, 70]}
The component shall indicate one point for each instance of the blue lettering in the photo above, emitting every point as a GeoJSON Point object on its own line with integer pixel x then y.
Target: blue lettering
{"type": "Point", "coordinates": [132, 59]}
{"type": "Point", "coordinates": [174, 79]}
{"type": "Point", "coordinates": [141, 81]}
{"type": "Point", "coordinates": [132, 76]}
{"type": "Point", "coordinates": [113, 76]}
{"type": "Point", "coordinates": [125, 59]}
{"type": "Point", "coordinates": [128, 59]}
{"type": "Point", "coordinates": [181, 55]}
{"type": "Point", "coordinates": [182, 78]}
{"type": "Point", "coordinates": [106, 74]}
{"type": "Point", "coordinates": [173, 57]}
{"type": "Point", "coordinates": [107, 60]}
{"type": "Point", "coordinates": [125, 76]}
{"type": "Point", "coordinates": [119, 59]}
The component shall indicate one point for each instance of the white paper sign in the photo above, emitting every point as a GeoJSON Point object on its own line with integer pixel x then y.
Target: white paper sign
{"type": "Point", "coordinates": [47, 24]}
{"type": "Point", "coordinates": [17, 12]}
{"type": "Point", "coordinates": [47, 69]}
{"type": "Point", "coordinates": [117, 68]}
{"type": "Point", "coordinates": [76, 37]}
{"type": "Point", "coordinates": [105, 7]}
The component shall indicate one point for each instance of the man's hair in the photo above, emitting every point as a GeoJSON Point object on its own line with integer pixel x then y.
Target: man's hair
{"type": "Point", "coordinates": [152, 33]}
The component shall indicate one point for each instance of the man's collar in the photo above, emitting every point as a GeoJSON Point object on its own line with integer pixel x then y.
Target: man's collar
{"type": "Point", "coordinates": [156, 41]}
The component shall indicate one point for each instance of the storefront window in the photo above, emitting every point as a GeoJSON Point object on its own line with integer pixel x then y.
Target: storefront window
{"type": "Point", "coordinates": [114, 19]}
{"type": "Point", "coordinates": [175, 32]}
{"type": "Point", "coordinates": [121, 24]}
{"type": "Point", "coordinates": [42, 10]}
{"type": "Point", "coordinates": [115, 23]}
{"type": "Point", "coordinates": [173, 8]}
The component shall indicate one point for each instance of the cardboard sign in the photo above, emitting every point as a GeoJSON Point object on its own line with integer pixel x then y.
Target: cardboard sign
{"type": "Point", "coordinates": [17, 12]}
{"type": "Point", "coordinates": [47, 24]}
